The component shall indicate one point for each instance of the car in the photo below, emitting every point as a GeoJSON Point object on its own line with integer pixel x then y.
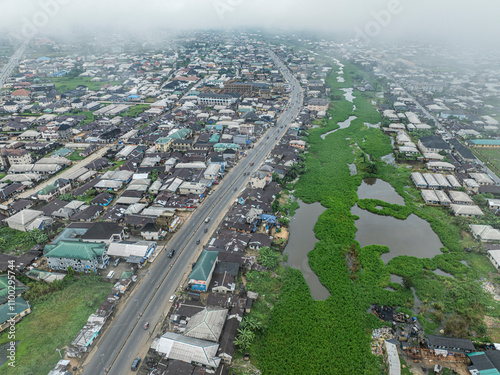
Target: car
{"type": "Point", "coordinates": [171, 253]}
{"type": "Point", "coordinates": [267, 137]}
{"type": "Point", "coordinates": [172, 298]}
{"type": "Point", "coordinates": [198, 242]}
{"type": "Point", "coordinates": [117, 262]}
{"type": "Point", "coordinates": [205, 230]}
{"type": "Point", "coordinates": [207, 219]}
{"type": "Point", "coordinates": [135, 364]}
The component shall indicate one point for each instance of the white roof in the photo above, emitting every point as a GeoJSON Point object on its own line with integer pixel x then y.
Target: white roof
{"type": "Point", "coordinates": [440, 164]}
{"type": "Point", "coordinates": [128, 248]}
{"type": "Point", "coordinates": [187, 349]}
{"type": "Point", "coordinates": [429, 196]}
{"type": "Point", "coordinates": [207, 324]}
{"type": "Point", "coordinates": [466, 209]}
{"type": "Point", "coordinates": [485, 232]}
{"type": "Point", "coordinates": [109, 184]}
{"type": "Point", "coordinates": [460, 196]}
{"type": "Point", "coordinates": [24, 217]}
{"type": "Point", "coordinates": [482, 178]}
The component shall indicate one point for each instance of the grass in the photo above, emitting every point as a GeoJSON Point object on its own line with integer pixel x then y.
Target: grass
{"type": "Point", "coordinates": [135, 110]}
{"type": "Point", "coordinates": [489, 155]}
{"type": "Point", "coordinates": [12, 240]}
{"type": "Point", "coordinates": [75, 156]}
{"type": "Point", "coordinates": [2, 175]}
{"type": "Point", "coordinates": [53, 324]}
{"type": "Point", "coordinates": [67, 83]}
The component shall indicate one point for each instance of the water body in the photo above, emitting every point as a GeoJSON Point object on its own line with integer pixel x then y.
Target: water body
{"type": "Point", "coordinates": [352, 169]}
{"type": "Point", "coordinates": [413, 236]}
{"type": "Point", "coordinates": [440, 272]}
{"type": "Point", "coordinates": [348, 94]}
{"type": "Point", "coordinates": [389, 159]}
{"type": "Point", "coordinates": [301, 241]}
{"type": "Point", "coordinates": [374, 188]}
{"type": "Point", "coordinates": [342, 125]}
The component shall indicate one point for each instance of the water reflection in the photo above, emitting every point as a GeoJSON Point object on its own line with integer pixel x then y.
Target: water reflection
{"type": "Point", "coordinates": [412, 236]}
{"type": "Point", "coordinates": [301, 241]}
{"type": "Point", "coordinates": [373, 188]}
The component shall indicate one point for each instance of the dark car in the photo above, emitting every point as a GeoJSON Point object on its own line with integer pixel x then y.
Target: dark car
{"type": "Point", "coordinates": [171, 253]}
{"type": "Point", "coordinates": [135, 364]}
{"type": "Point", "coordinates": [198, 242]}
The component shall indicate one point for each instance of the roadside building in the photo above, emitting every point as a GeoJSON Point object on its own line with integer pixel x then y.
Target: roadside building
{"type": "Point", "coordinates": [200, 276]}
{"type": "Point", "coordinates": [80, 256]}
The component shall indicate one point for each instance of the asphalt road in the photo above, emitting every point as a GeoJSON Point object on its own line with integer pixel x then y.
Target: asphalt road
{"type": "Point", "coordinates": [74, 166]}
{"type": "Point", "coordinates": [126, 338]}
{"type": "Point", "coordinates": [12, 63]}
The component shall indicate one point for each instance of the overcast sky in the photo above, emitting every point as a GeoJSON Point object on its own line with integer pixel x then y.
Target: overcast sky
{"type": "Point", "coordinates": [457, 21]}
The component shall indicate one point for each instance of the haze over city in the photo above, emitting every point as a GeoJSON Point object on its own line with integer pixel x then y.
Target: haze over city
{"type": "Point", "coordinates": [461, 23]}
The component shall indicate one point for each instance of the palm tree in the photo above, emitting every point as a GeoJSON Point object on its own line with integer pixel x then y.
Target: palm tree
{"type": "Point", "coordinates": [245, 338]}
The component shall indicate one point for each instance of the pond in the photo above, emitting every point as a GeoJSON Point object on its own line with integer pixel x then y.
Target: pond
{"type": "Point", "coordinates": [374, 188]}
{"type": "Point", "coordinates": [348, 94]}
{"type": "Point", "coordinates": [342, 125]}
{"type": "Point", "coordinates": [301, 241]}
{"type": "Point", "coordinates": [413, 236]}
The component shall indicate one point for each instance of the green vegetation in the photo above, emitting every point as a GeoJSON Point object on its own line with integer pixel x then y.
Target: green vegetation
{"type": "Point", "coordinates": [332, 336]}
{"type": "Point", "coordinates": [14, 240]}
{"type": "Point", "coordinates": [66, 83]}
{"type": "Point", "coordinates": [268, 257]}
{"type": "Point", "coordinates": [2, 175]}
{"type": "Point", "coordinates": [135, 110]}
{"type": "Point", "coordinates": [490, 156]}
{"type": "Point", "coordinates": [59, 311]}
{"type": "Point", "coordinates": [75, 156]}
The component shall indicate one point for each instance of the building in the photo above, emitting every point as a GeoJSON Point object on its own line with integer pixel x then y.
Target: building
{"type": "Point", "coordinates": [187, 349]}
{"type": "Point", "coordinates": [433, 143]}
{"type": "Point", "coordinates": [485, 233]}
{"type": "Point", "coordinates": [486, 143]}
{"type": "Point", "coordinates": [207, 324]}
{"type": "Point", "coordinates": [212, 99]}
{"type": "Point", "coordinates": [200, 276]}
{"type": "Point", "coordinates": [104, 232]}
{"type": "Point", "coordinates": [15, 310]}
{"type": "Point", "coordinates": [150, 232]}
{"type": "Point", "coordinates": [318, 105]}
{"type": "Point", "coordinates": [27, 220]}
{"type": "Point", "coordinates": [466, 210]}
{"type": "Point", "coordinates": [125, 249]}
{"type": "Point", "coordinates": [80, 256]}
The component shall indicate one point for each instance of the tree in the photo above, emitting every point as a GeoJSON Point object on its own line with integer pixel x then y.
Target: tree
{"type": "Point", "coordinates": [253, 322]}
{"type": "Point", "coordinates": [245, 338]}
{"type": "Point", "coordinates": [372, 168]}
{"type": "Point", "coordinates": [67, 197]}
{"type": "Point", "coordinates": [268, 257]}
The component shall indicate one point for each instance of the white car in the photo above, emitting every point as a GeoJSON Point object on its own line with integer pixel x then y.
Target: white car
{"type": "Point", "coordinates": [172, 298]}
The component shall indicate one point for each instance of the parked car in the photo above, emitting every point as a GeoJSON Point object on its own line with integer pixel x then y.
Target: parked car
{"type": "Point", "coordinates": [135, 364]}
{"type": "Point", "coordinates": [172, 298]}
{"type": "Point", "coordinates": [171, 253]}
{"type": "Point", "coordinates": [116, 262]}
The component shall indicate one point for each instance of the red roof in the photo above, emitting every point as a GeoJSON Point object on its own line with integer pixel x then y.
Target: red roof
{"type": "Point", "coordinates": [21, 92]}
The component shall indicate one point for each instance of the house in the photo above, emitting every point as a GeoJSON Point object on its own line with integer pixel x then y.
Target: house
{"type": "Point", "coordinates": [419, 180]}
{"type": "Point", "coordinates": [487, 362]}
{"type": "Point", "coordinates": [15, 157]}
{"type": "Point", "coordinates": [224, 278]}
{"type": "Point", "coordinates": [482, 179]}
{"type": "Point", "coordinates": [200, 276]}
{"type": "Point", "coordinates": [102, 199]}
{"type": "Point", "coordinates": [318, 105]}
{"type": "Point", "coordinates": [80, 256]}
{"type": "Point", "coordinates": [494, 256]}
{"type": "Point", "coordinates": [150, 232]}
{"type": "Point", "coordinates": [485, 233]}
{"type": "Point", "coordinates": [88, 214]}
{"type": "Point", "coordinates": [104, 232]}
{"type": "Point", "coordinates": [450, 344]}
{"type": "Point", "coordinates": [13, 311]}
{"type": "Point", "coordinates": [206, 324]}
{"type": "Point", "coordinates": [440, 165]}
{"type": "Point", "coordinates": [187, 349]}
{"type": "Point", "coordinates": [125, 249]}
{"type": "Point", "coordinates": [459, 197]}
{"type": "Point", "coordinates": [466, 210]}
{"type": "Point", "coordinates": [48, 193]}
{"type": "Point", "coordinates": [494, 204]}
{"type": "Point", "coordinates": [433, 143]}
{"type": "Point", "coordinates": [260, 240]}
{"type": "Point", "coordinates": [27, 220]}
{"type": "Point", "coordinates": [63, 185]}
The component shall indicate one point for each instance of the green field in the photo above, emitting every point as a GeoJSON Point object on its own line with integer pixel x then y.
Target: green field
{"type": "Point", "coordinates": [70, 83]}
{"type": "Point", "coordinates": [13, 240]}
{"type": "Point", "coordinates": [135, 110]}
{"type": "Point", "coordinates": [75, 156]}
{"type": "Point", "coordinates": [490, 155]}
{"type": "Point", "coordinates": [54, 322]}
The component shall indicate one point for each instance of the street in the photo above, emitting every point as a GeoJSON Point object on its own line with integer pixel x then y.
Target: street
{"type": "Point", "coordinates": [126, 339]}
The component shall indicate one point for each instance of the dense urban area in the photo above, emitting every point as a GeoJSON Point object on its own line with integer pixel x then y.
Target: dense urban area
{"type": "Point", "coordinates": [248, 203]}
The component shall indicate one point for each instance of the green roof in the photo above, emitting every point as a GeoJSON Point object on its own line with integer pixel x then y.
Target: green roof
{"type": "Point", "coordinates": [9, 311]}
{"type": "Point", "coordinates": [180, 134]}
{"type": "Point", "coordinates": [485, 141]}
{"type": "Point", "coordinates": [126, 275]}
{"type": "Point", "coordinates": [4, 288]}
{"type": "Point", "coordinates": [214, 138]}
{"type": "Point", "coordinates": [47, 189]}
{"type": "Point", "coordinates": [75, 250]}
{"type": "Point", "coordinates": [204, 265]}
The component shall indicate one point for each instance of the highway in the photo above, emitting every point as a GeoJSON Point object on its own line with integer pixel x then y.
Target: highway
{"type": "Point", "coordinates": [125, 338]}
{"type": "Point", "coordinates": [12, 63]}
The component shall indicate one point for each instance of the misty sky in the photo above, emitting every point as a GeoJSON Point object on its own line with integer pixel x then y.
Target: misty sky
{"type": "Point", "coordinates": [457, 21]}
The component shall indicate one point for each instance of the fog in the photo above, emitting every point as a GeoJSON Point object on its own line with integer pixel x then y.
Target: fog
{"type": "Point", "coordinates": [462, 22]}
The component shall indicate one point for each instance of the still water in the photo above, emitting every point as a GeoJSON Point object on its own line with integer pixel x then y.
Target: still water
{"type": "Point", "coordinates": [342, 125]}
{"type": "Point", "coordinates": [301, 241]}
{"type": "Point", "coordinates": [374, 188]}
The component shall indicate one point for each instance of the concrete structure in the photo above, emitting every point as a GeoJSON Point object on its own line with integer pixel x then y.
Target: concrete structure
{"type": "Point", "coordinates": [80, 256]}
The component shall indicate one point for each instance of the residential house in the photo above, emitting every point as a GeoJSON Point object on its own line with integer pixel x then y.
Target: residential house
{"type": "Point", "coordinates": [104, 232]}
{"type": "Point", "coordinates": [80, 256]}
{"type": "Point", "coordinates": [200, 276]}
